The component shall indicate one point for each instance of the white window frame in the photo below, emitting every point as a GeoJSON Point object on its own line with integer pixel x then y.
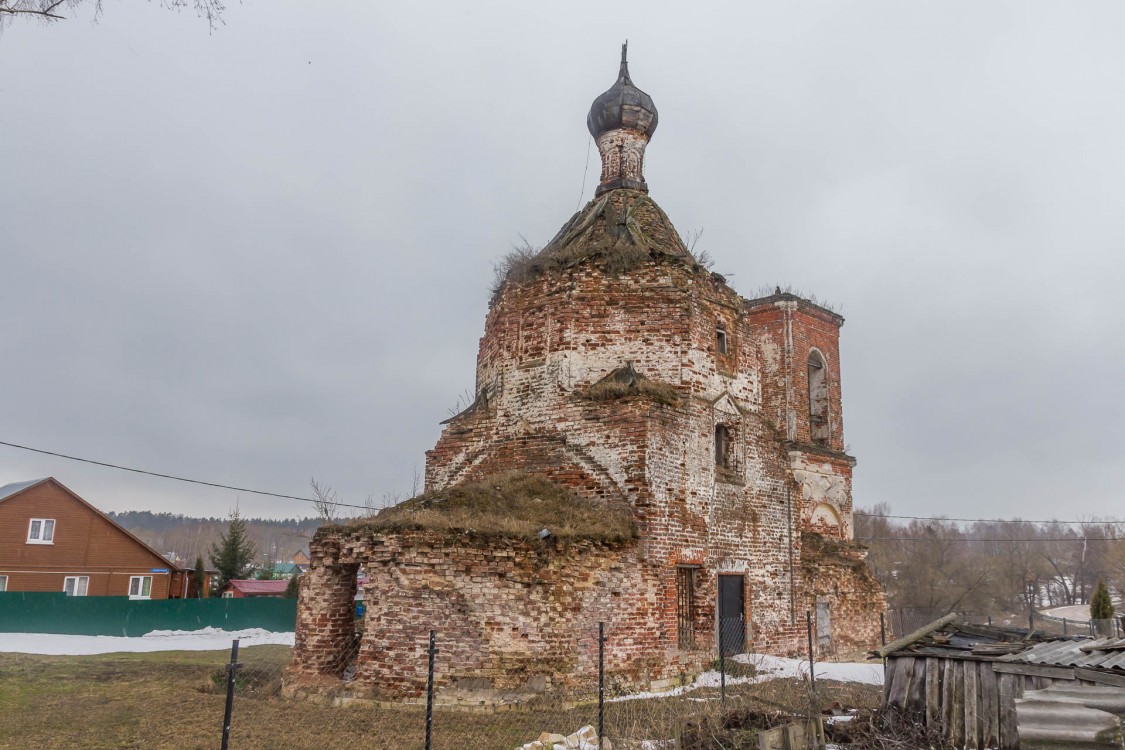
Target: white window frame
{"type": "Point", "coordinates": [228, 595]}
{"type": "Point", "coordinates": [3, 584]}
{"type": "Point", "coordinates": [44, 533]}
{"type": "Point", "coordinates": [81, 585]}
{"type": "Point", "coordinates": [141, 594]}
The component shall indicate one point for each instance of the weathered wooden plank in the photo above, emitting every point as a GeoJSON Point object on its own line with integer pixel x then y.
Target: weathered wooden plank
{"type": "Point", "coordinates": [947, 680]}
{"type": "Point", "coordinates": [1103, 678]}
{"type": "Point", "coordinates": [989, 706]}
{"type": "Point", "coordinates": [1009, 734]}
{"type": "Point", "coordinates": [957, 715]}
{"type": "Point", "coordinates": [888, 679]}
{"type": "Point", "coordinates": [933, 691]}
{"type": "Point", "coordinates": [900, 688]}
{"type": "Point", "coordinates": [1034, 670]}
{"type": "Point", "coordinates": [972, 711]}
{"type": "Point", "coordinates": [916, 697]}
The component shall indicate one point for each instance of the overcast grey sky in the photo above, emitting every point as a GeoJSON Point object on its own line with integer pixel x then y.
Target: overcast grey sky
{"type": "Point", "coordinates": [263, 254]}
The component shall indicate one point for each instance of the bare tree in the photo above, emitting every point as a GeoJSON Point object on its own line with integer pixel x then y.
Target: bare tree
{"type": "Point", "coordinates": [53, 10]}
{"type": "Point", "coordinates": [325, 500]}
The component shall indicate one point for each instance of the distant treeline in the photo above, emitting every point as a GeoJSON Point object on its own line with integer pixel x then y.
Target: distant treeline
{"type": "Point", "coordinates": [991, 567]}
{"type": "Point", "coordinates": [187, 537]}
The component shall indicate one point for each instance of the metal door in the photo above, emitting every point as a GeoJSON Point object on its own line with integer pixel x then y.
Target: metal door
{"type": "Point", "coordinates": [732, 615]}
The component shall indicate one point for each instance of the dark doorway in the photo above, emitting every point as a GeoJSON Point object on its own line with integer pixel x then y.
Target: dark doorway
{"type": "Point", "coordinates": [732, 615]}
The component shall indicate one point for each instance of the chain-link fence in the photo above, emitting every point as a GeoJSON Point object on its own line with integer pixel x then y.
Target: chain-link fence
{"type": "Point", "coordinates": [737, 701]}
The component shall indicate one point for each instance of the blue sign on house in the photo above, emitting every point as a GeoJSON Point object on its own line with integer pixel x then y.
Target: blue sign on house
{"type": "Point", "coordinates": [158, 570]}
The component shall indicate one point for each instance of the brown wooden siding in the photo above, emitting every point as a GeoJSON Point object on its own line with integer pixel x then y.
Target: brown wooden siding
{"type": "Point", "coordinates": [85, 543]}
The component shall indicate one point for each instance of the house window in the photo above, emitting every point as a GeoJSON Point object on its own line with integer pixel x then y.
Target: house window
{"type": "Point", "coordinates": [140, 587]}
{"type": "Point", "coordinates": [685, 605]}
{"type": "Point", "coordinates": [76, 585]}
{"type": "Point", "coordinates": [722, 446]}
{"type": "Point", "coordinates": [41, 531]}
{"type": "Point", "coordinates": [721, 341]}
{"type": "Point", "coordinates": [3, 583]}
{"type": "Point", "coordinates": [818, 398]}
{"type": "Point", "coordinates": [228, 594]}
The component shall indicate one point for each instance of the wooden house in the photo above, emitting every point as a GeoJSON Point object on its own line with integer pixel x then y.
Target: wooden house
{"type": "Point", "coordinates": [1008, 688]}
{"type": "Point", "coordinates": [240, 588]}
{"type": "Point", "coordinates": [53, 540]}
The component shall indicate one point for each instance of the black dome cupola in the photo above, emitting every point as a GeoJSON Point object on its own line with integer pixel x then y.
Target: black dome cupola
{"type": "Point", "coordinates": [623, 106]}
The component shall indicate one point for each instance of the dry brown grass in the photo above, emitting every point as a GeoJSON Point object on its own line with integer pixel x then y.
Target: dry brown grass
{"type": "Point", "coordinates": [617, 232]}
{"type": "Point", "coordinates": [625, 382]}
{"type": "Point", "coordinates": [513, 505]}
{"type": "Point", "coordinates": [167, 701]}
{"type": "Point", "coordinates": [611, 390]}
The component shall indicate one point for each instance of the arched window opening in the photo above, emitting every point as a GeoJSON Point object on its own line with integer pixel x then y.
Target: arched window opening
{"type": "Point", "coordinates": [818, 398]}
{"type": "Point", "coordinates": [722, 446]}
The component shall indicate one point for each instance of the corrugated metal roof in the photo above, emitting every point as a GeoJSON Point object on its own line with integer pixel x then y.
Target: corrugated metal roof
{"type": "Point", "coordinates": [10, 489]}
{"type": "Point", "coordinates": [1103, 653]}
{"type": "Point", "coordinates": [1069, 715]}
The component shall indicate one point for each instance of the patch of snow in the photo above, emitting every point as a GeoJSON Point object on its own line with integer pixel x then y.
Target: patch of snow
{"type": "Point", "coordinates": [207, 639]}
{"type": "Point", "coordinates": [776, 668]}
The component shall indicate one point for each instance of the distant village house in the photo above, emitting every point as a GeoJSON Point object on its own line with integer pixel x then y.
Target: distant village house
{"type": "Point", "coordinates": [53, 540]}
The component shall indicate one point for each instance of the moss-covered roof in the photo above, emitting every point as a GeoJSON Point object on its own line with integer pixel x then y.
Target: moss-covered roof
{"type": "Point", "coordinates": [512, 504]}
{"type": "Point", "coordinates": [625, 382]}
{"type": "Point", "coordinates": [618, 231]}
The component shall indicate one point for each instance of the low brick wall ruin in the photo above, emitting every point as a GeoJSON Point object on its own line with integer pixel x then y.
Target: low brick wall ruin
{"type": "Point", "coordinates": [513, 617]}
{"type": "Point", "coordinates": [837, 576]}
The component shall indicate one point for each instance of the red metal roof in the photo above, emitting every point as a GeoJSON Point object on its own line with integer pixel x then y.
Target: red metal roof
{"type": "Point", "coordinates": [258, 587]}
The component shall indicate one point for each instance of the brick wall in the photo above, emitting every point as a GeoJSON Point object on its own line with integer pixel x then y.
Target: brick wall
{"type": "Point", "coordinates": [836, 573]}
{"type": "Point", "coordinates": [511, 616]}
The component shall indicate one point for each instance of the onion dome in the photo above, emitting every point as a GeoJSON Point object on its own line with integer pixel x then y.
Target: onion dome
{"type": "Point", "coordinates": [623, 106]}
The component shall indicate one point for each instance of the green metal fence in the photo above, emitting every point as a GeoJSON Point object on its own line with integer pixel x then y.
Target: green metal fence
{"type": "Point", "coordinates": [40, 612]}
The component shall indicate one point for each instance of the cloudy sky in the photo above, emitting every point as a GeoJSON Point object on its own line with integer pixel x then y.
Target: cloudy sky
{"type": "Point", "coordinates": [263, 254]}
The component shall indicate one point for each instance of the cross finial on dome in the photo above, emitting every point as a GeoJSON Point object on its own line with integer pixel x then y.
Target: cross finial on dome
{"type": "Point", "coordinates": [623, 73]}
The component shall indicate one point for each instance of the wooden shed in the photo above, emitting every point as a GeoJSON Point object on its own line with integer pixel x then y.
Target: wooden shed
{"type": "Point", "coordinates": [987, 687]}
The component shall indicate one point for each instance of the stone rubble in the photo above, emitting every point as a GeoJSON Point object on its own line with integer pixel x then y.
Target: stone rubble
{"type": "Point", "coordinates": [585, 738]}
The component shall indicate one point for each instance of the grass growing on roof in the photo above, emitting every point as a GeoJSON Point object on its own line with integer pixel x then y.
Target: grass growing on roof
{"type": "Point", "coordinates": [512, 504]}
{"type": "Point", "coordinates": [618, 232]}
{"type": "Point", "coordinates": [626, 381]}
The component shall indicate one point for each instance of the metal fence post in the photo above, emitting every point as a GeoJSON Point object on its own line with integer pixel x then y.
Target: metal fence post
{"type": "Point", "coordinates": [232, 669]}
{"type": "Point", "coordinates": [812, 661]}
{"type": "Point", "coordinates": [883, 639]}
{"type": "Point", "coordinates": [1064, 626]}
{"type": "Point", "coordinates": [722, 664]}
{"type": "Point", "coordinates": [430, 689]}
{"type": "Point", "coordinates": [601, 683]}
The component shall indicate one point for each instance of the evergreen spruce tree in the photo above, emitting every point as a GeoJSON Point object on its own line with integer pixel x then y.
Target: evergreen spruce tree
{"type": "Point", "coordinates": [1101, 609]}
{"type": "Point", "coordinates": [199, 575]}
{"type": "Point", "coordinates": [291, 589]}
{"type": "Point", "coordinates": [233, 555]}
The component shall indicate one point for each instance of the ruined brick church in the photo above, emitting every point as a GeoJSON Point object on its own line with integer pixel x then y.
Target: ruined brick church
{"type": "Point", "coordinates": [646, 449]}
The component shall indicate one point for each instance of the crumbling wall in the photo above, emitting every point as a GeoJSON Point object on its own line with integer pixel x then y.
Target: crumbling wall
{"type": "Point", "coordinates": [512, 617]}
{"type": "Point", "coordinates": [839, 580]}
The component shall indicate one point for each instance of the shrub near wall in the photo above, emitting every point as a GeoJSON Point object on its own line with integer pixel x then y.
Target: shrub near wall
{"type": "Point", "coordinates": [40, 612]}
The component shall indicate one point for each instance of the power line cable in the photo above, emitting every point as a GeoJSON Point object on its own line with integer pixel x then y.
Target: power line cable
{"type": "Point", "coordinates": [982, 520]}
{"type": "Point", "coordinates": [342, 504]}
{"type": "Point", "coordinates": [172, 476]}
{"type": "Point", "coordinates": [971, 539]}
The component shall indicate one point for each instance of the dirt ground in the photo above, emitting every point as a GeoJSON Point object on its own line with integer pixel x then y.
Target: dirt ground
{"type": "Point", "coordinates": [175, 701]}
